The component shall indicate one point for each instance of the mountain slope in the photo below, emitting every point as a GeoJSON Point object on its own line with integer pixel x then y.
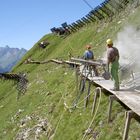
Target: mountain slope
{"type": "Point", "coordinates": [9, 57]}
{"type": "Point", "coordinates": [51, 86]}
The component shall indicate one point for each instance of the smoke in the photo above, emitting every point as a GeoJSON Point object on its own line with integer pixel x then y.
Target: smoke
{"type": "Point", "coordinates": [128, 44]}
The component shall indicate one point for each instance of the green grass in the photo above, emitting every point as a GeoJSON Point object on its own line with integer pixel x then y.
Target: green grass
{"type": "Point", "coordinates": [50, 85]}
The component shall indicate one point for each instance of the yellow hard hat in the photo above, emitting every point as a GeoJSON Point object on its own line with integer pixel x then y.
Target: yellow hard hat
{"type": "Point", "coordinates": [109, 42]}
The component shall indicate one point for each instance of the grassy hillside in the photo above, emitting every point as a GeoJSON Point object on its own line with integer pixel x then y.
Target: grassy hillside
{"type": "Point", "coordinates": [51, 85]}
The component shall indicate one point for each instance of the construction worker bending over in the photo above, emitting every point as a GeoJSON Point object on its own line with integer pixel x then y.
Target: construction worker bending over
{"type": "Point", "coordinates": [89, 55]}
{"type": "Point", "coordinates": [113, 59]}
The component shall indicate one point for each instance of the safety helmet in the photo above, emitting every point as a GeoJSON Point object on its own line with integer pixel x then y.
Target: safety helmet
{"type": "Point", "coordinates": [109, 42]}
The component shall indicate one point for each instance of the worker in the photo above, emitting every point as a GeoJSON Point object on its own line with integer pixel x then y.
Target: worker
{"type": "Point", "coordinates": [89, 55]}
{"type": "Point", "coordinates": [113, 60]}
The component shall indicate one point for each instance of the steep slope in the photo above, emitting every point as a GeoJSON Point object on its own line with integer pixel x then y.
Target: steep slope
{"type": "Point", "coordinates": [51, 86]}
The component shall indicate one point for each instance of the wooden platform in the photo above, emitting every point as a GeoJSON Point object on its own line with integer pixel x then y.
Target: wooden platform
{"type": "Point", "coordinates": [129, 97]}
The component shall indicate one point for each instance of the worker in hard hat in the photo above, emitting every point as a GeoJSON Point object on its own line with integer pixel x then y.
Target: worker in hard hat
{"type": "Point", "coordinates": [113, 60]}
{"type": "Point", "coordinates": [89, 55]}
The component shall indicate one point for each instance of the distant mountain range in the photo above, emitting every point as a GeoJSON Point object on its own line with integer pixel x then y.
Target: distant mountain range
{"type": "Point", "coordinates": [9, 57]}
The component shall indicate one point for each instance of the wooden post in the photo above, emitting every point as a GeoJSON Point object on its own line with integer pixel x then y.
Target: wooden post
{"type": "Point", "coordinates": [81, 88]}
{"type": "Point", "coordinates": [88, 94]}
{"type": "Point", "coordinates": [111, 99]}
{"type": "Point", "coordinates": [90, 71]}
{"type": "Point", "coordinates": [97, 91]}
{"type": "Point", "coordinates": [82, 84]}
{"type": "Point", "coordinates": [76, 75]}
{"type": "Point", "coordinates": [129, 115]}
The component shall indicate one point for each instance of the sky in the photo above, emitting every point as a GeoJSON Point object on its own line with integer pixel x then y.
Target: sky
{"type": "Point", "coordinates": [24, 22]}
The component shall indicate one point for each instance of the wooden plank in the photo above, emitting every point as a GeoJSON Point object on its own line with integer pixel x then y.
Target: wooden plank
{"type": "Point", "coordinates": [72, 28]}
{"type": "Point", "coordinates": [129, 97]}
{"type": "Point", "coordinates": [72, 63]}
{"type": "Point", "coordinates": [80, 23]}
{"type": "Point", "coordinates": [90, 18]}
{"type": "Point", "coordinates": [85, 20]}
{"type": "Point", "coordinates": [106, 10]}
{"type": "Point", "coordinates": [53, 60]}
{"type": "Point", "coordinates": [88, 62]}
{"type": "Point", "coordinates": [97, 13]}
{"type": "Point", "coordinates": [75, 26]}
{"type": "Point", "coordinates": [56, 61]}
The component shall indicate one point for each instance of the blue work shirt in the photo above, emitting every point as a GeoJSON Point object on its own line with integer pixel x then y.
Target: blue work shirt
{"type": "Point", "coordinates": [88, 55]}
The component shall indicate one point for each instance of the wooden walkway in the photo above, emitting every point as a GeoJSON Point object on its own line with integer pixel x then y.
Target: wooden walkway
{"type": "Point", "coordinates": [128, 96]}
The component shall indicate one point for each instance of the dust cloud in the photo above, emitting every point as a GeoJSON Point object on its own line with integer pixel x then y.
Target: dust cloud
{"type": "Point", "coordinates": [128, 44]}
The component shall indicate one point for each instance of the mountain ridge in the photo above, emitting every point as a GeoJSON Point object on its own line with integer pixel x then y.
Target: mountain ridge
{"type": "Point", "coordinates": [10, 57]}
